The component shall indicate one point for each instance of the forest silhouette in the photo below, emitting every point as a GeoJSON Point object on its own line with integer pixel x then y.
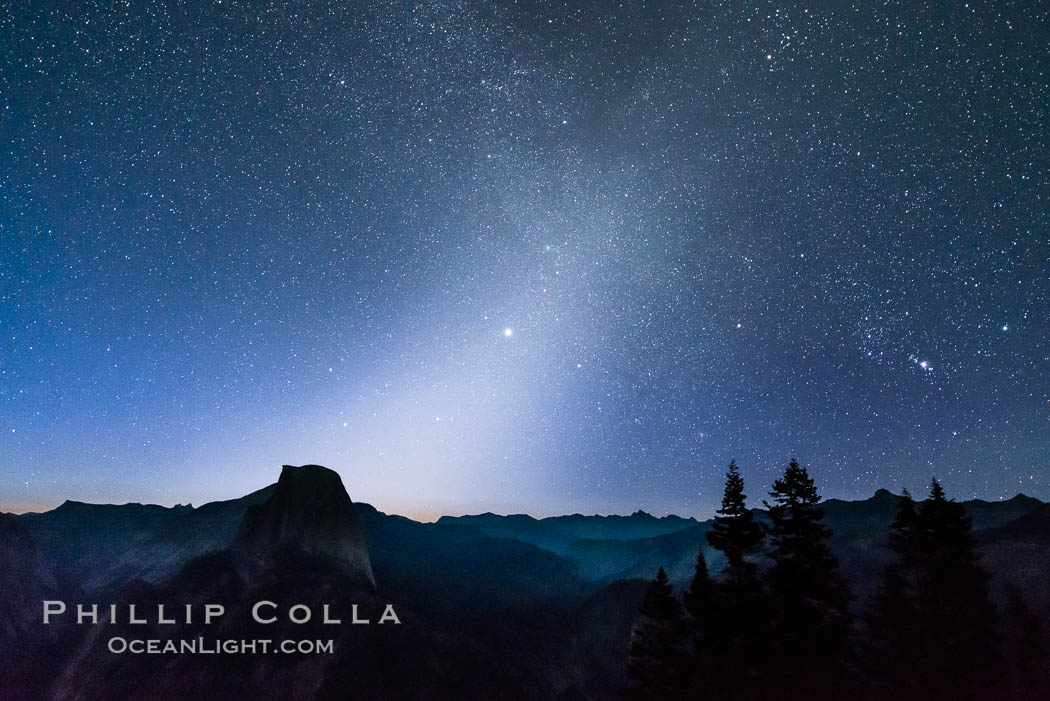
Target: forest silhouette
{"type": "Point", "coordinates": [776, 622]}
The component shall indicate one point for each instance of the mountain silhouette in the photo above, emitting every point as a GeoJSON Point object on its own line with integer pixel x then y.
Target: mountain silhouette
{"type": "Point", "coordinates": [309, 512]}
{"type": "Point", "coordinates": [104, 546]}
{"type": "Point", "coordinates": [491, 606]}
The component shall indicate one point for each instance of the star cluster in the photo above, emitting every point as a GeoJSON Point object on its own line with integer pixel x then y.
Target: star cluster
{"type": "Point", "coordinates": [523, 255]}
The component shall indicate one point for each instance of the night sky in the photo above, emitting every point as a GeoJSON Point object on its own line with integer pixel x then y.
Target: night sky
{"type": "Point", "coordinates": [523, 256]}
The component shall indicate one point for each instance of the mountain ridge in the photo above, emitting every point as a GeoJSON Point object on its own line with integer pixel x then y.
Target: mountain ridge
{"type": "Point", "coordinates": [104, 545]}
{"type": "Point", "coordinates": [558, 593]}
{"type": "Point", "coordinates": [880, 493]}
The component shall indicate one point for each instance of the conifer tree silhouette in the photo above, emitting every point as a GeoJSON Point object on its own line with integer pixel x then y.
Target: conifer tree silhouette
{"type": "Point", "coordinates": [932, 624]}
{"type": "Point", "coordinates": [809, 597]}
{"type": "Point", "coordinates": [894, 636]}
{"type": "Point", "coordinates": [953, 602]}
{"type": "Point", "coordinates": [656, 662]}
{"type": "Point", "coordinates": [735, 531]}
{"type": "Point", "coordinates": [739, 619]}
{"type": "Point", "coordinates": [699, 605]}
{"type": "Point", "coordinates": [697, 598]}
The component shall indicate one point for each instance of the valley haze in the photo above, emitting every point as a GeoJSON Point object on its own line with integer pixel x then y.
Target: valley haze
{"type": "Point", "coordinates": [546, 606]}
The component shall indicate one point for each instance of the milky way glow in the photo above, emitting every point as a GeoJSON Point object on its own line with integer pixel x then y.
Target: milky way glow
{"type": "Point", "coordinates": [512, 256]}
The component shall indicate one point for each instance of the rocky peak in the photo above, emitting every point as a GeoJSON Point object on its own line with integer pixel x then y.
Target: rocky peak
{"type": "Point", "coordinates": [309, 513]}
{"type": "Point", "coordinates": [885, 495]}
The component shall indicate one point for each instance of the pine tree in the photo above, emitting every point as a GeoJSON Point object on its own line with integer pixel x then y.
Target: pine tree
{"type": "Point", "coordinates": [697, 599]}
{"type": "Point", "coordinates": [809, 596]}
{"type": "Point", "coordinates": [903, 529]}
{"type": "Point", "coordinates": [953, 601]}
{"type": "Point", "coordinates": [699, 605]}
{"type": "Point", "coordinates": [735, 532]}
{"type": "Point", "coordinates": [932, 624]}
{"type": "Point", "coordinates": [738, 619]}
{"type": "Point", "coordinates": [894, 638]}
{"type": "Point", "coordinates": [656, 663]}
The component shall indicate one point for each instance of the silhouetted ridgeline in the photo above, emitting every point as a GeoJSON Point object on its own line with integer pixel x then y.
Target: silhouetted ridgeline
{"type": "Point", "coordinates": [776, 621]}
{"type": "Point", "coordinates": [490, 606]}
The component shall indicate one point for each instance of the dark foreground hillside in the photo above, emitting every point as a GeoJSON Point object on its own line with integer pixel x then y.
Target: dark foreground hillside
{"type": "Point", "coordinates": [488, 607]}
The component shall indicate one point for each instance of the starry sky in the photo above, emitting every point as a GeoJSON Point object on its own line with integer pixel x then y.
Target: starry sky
{"type": "Point", "coordinates": [523, 256]}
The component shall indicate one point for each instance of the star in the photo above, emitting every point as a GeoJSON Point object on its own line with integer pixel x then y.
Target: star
{"type": "Point", "coordinates": [642, 228]}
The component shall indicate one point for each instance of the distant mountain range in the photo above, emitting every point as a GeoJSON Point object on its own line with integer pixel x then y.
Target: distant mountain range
{"type": "Point", "coordinates": [490, 606]}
